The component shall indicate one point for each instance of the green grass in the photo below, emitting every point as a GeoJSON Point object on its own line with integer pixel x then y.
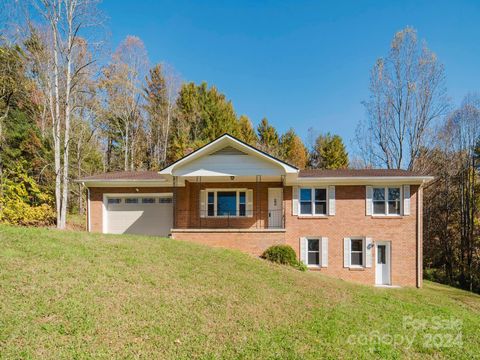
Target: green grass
{"type": "Point", "coordinates": [78, 295]}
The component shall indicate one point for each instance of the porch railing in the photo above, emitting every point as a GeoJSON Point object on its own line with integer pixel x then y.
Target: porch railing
{"type": "Point", "coordinates": [254, 219]}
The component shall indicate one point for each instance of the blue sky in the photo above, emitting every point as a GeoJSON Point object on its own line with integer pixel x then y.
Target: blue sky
{"type": "Point", "coordinates": [301, 64]}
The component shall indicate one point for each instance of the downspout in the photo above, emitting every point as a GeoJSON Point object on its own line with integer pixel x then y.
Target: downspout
{"type": "Point", "coordinates": [174, 202]}
{"type": "Point", "coordinates": [419, 252]}
{"type": "Point", "coordinates": [88, 208]}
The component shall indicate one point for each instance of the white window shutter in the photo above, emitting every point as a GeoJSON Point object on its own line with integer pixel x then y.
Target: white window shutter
{"type": "Point", "coordinates": [324, 262]}
{"type": "Point", "coordinates": [346, 252]}
{"type": "Point", "coordinates": [249, 203]}
{"type": "Point", "coordinates": [368, 200]}
{"type": "Point", "coordinates": [295, 200]}
{"type": "Point", "coordinates": [203, 203]}
{"type": "Point", "coordinates": [406, 199]}
{"type": "Point", "coordinates": [367, 250]}
{"type": "Point", "coordinates": [331, 200]}
{"type": "Point", "coordinates": [303, 250]}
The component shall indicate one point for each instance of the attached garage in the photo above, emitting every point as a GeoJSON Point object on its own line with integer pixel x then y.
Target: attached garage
{"type": "Point", "coordinates": [144, 214]}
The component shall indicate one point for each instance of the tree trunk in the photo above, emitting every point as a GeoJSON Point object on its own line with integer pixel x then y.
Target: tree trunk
{"type": "Point", "coordinates": [56, 128]}
{"type": "Point", "coordinates": [126, 148]}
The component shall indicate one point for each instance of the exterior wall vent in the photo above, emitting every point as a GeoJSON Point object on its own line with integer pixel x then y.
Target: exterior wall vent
{"type": "Point", "coordinates": [228, 150]}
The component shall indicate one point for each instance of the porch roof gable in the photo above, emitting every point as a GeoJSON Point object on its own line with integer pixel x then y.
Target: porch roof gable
{"type": "Point", "coordinates": [228, 156]}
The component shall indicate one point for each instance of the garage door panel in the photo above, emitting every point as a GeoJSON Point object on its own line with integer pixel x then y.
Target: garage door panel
{"type": "Point", "coordinates": [146, 219]}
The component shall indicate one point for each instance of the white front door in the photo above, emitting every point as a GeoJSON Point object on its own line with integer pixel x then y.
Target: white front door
{"type": "Point", "coordinates": [275, 211]}
{"type": "Point", "coordinates": [382, 263]}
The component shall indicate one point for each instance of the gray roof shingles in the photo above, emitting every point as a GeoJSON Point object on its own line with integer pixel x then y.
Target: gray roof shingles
{"type": "Point", "coordinates": [125, 175]}
{"type": "Point", "coordinates": [355, 173]}
{"type": "Point", "coordinates": [308, 173]}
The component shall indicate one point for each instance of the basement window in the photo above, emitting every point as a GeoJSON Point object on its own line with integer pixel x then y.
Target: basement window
{"type": "Point", "coordinates": [356, 252]}
{"type": "Point", "coordinates": [313, 257]}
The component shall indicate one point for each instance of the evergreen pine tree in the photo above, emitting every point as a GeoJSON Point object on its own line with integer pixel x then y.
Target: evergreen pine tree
{"type": "Point", "coordinates": [329, 153]}
{"type": "Point", "coordinates": [268, 137]}
{"type": "Point", "coordinates": [292, 149]}
{"type": "Point", "coordinates": [246, 131]}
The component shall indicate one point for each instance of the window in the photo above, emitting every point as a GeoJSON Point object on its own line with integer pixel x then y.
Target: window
{"type": "Point", "coordinates": [227, 203]}
{"type": "Point", "coordinates": [114, 200]}
{"type": "Point", "coordinates": [305, 201]}
{"type": "Point", "coordinates": [242, 203]}
{"type": "Point", "coordinates": [394, 201]}
{"type": "Point", "coordinates": [313, 247]}
{"type": "Point", "coordinates": [148, 200]}
{"type": "Point", "coordinates": [381, 254]}
{"type": "Point", "coordinates": [356, 252]}
{"type": "Point", "coordinates": [211, 204]}
{"type": "Point", "coordinates": [165, 200]}
{"type": "Point", "coordinates": [313, 201]}
{"type": "Point", "coordinates": [386, 201]}
{"type": "Point", "coordinates": [131, 200]}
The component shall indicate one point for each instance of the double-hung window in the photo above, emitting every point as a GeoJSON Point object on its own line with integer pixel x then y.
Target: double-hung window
{"type": "Point", "coordinates": [313, 201]}
{"type": "Point", "coordinates": [386, 200]}
{"type": "Point", "coordinates": [356, 252]}
{"type": "Point", "coordinates": [226, 203]}
{"type": "Point", "coordinates": [313, 249]}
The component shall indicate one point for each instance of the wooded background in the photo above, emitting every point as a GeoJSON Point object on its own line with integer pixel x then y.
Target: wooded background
{"type": "Point", "coordinates": [66, 113]}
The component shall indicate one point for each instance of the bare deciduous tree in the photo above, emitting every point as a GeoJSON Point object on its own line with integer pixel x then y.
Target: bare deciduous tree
{"type": "Point", "coordinates": [407, 95]}
{"type": "Point", "coordinates": [61, 73]}
{"type": "Point", "coordinates": [122, 82]}
{"type": "Point", "coordinates": [451, 201]}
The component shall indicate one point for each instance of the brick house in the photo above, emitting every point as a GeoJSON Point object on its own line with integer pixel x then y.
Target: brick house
{"type": "Point", "coordinates": [358, 225]}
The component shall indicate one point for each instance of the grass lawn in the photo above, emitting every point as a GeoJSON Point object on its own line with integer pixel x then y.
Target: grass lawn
{"type": "Point", "coordinates": [78, 295]}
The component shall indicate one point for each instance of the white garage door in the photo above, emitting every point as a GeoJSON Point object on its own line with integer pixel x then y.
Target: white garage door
{"type": "Point", "coordinates": [146, 214]}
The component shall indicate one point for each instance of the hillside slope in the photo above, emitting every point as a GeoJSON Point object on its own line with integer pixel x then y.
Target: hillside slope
{"type": "Point", "coordinates": [73, 294]}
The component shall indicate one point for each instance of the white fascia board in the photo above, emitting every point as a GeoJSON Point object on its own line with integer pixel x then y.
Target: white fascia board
{"type": "Point", "coordinates": [227, 139]}
{"type": "Point", "coordinates": [364, 180]}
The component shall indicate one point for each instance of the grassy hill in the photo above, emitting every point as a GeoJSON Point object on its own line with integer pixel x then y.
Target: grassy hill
{"type": "Point", "coordinates": [78, 295]}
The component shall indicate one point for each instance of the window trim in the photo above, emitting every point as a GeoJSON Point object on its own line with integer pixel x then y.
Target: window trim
{"type": "Point", "coordinates": [385, 188]}
{"type": "Point", "coordinates": [237, 200]}
{"type": "Point", "coordinates": [312, 201]}
{"type": "Point", "coordinates": [319, 240]}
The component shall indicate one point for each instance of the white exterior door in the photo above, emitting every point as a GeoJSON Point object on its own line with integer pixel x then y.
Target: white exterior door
{"type": "Point", "coordinates": [139, 214]}
{"type": "Point", "coordinates": [275, 211]}
{"type": "Point", "coordinates": [382, 263]}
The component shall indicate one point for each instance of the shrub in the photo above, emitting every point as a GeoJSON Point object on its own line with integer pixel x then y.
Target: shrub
{"type": "Point", "coordinates": [22, 202]}
{"type": "Point", "coordinates": [283, 254]}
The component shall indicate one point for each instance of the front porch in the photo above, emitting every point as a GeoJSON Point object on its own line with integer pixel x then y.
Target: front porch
{"type": "Point", "coordinates": [228, 205]}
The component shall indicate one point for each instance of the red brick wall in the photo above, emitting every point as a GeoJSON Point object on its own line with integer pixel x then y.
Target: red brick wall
{"type": "Point", "coordinates": [349, 221]}
{"type": "Point", "coordinates": [251, 242]}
